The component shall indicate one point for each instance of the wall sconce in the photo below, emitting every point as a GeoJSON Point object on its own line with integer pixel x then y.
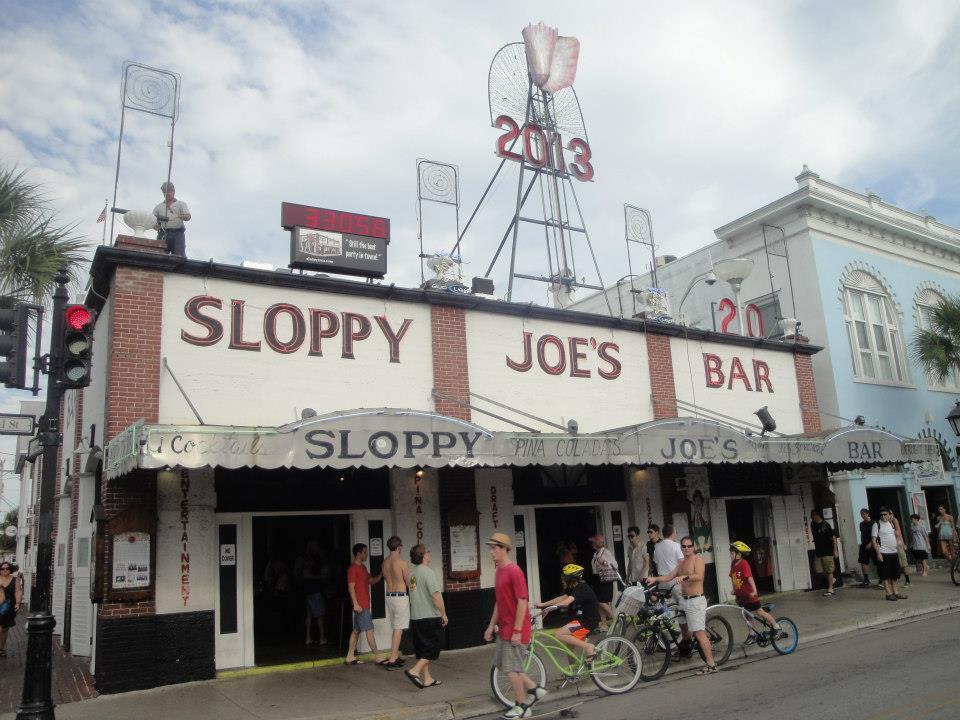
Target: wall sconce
{"type": "Point", "coordinates": [860, 420]}
{"type": "Point", "coordinates": [168, 480]}
{"type": "Point", "coordinates": [766, 420]}
{"type": "Point", "coordinates": [954, 419]}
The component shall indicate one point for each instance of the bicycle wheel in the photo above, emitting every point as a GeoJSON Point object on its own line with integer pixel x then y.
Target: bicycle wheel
{"type": "Point", "coordinates": [720, 635]}
{"type": "Point", "coordinates": [786, 645]}
{"type": "Point", "coordinates": [655, 650]}
{"type": "Point", "coordinates": [500, 683]}
{"type": "Point", "coordinates": [617, 666]}
{"type": "Point", "coordinates": [617, 627]}
{"type": "Point", "coordinates": [955, 571]}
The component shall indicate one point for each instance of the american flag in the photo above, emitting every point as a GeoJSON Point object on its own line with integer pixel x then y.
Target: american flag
{"type": "Point", "coordinates": [103, 215]}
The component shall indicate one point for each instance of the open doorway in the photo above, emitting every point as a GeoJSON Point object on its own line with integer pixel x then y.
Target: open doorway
{"type": "Point", "coordinates": [749, 520]}
{"type": "Point", "coordinates": [295, 556]}
{"type": "Point", "coordinates": [562, 534]}
{"type": "Point", "coordinates": [937, 496]}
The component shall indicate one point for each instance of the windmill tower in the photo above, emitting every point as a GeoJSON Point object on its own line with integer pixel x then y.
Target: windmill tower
{"type": "Point", "coordinates": [532, 101]}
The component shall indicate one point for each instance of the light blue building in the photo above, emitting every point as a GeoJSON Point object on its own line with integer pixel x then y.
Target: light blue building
{"type": "Point", "coordinates": [860, 276]}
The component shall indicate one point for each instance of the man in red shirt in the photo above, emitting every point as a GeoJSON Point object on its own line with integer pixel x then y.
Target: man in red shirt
{"type": "Point", "coordinates": [358, 585]}
{"type": "Point", "coordinates": [745, 587]}
{"type": "Point", "coordinates": [513, 619]}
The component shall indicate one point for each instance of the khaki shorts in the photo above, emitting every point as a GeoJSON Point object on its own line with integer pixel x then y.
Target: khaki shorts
{"type": "Point", "coordinates": [509, 657]}
{"type": "Point", "coordinates": [824, 565]}
{"type": "Point", "coordinates": [398, 612]}
{"type": "Point", "coordinates": [696, 612]}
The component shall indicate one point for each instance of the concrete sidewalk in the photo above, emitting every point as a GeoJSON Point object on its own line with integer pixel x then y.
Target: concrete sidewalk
{"type": "Point", "coordinates": [368, 692]}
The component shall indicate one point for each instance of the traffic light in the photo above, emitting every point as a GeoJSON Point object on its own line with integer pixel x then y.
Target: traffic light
{"type": "Point", "coordinates": [76, 351]}
{"type": "Point", "coordinates": [13, 342]}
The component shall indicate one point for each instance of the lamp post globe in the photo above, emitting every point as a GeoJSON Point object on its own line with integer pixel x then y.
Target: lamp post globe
{"type": "Point", "coordinates": [954, 419]}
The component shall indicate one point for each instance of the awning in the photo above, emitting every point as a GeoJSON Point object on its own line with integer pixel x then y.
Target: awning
{"type": "Point", "coordinates": [389, 437]}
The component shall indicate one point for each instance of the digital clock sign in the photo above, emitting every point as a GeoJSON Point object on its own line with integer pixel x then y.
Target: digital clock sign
{"type": "Point", "coordinates": [337, 221]}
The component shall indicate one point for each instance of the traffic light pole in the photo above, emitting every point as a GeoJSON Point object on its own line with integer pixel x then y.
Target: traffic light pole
{"type": "Point", "coordinates": [36, 702]}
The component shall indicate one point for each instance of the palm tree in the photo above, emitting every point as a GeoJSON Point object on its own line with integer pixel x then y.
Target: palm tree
{"type": "Point", "coordinates": [937, 348]}
{"type": "Point", "coordinates": [32, 247]}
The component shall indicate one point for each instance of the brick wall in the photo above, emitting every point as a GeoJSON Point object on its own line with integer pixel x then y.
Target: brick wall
{"type": "Point", "coordinates": [661, 376]}
{"type": "Point", "coordinates": [133, 392]}
{"type": "Point", "coordinates": [807, 390]}
{"type": "Point", "coordinates": [450, 376]}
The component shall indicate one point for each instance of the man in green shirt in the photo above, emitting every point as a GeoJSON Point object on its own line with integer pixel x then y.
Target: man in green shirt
{"type": "Point", "coordinates": [428, 617]}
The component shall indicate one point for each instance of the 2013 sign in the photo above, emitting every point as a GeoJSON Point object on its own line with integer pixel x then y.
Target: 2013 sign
{"type": "Point", "coordinates": [541, 151]}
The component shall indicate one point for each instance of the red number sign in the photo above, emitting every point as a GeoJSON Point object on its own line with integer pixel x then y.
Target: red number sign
{"type": "Point", "coordinates": [754, 319]}
{"type": "Point", "coordinates": [540, 151]}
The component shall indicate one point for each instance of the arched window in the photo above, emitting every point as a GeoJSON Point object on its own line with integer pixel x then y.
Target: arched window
{"type": "Point", "coordinates": [876, 347]}
{"type": "Point", "coordinates": [928, 300]}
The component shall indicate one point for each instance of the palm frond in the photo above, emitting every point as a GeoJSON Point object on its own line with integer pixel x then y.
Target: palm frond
{"type": "Point", "coordinates": [18, 197]}
{"type": "Point", "coordinates": [937, 348]}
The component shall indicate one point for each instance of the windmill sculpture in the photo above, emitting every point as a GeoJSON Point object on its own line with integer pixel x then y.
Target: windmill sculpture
{"type": "Point", "coordinates": [532, 100]}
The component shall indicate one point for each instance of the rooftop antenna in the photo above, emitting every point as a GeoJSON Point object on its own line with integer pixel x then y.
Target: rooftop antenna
{"type": "Point", "coordinates": [638, 229]}
{"type": "Point", "coordinates": [152, 91]}
{"type": "Point", "coordinates": [438, 182]}
{"type": "Point", "coordinates": [532, 100]}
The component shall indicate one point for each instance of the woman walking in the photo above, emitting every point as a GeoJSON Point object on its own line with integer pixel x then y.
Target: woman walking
{"type": "Point", "coordinates": [11, 595]}
{"type": "Point", "coordinates": [946, 532]}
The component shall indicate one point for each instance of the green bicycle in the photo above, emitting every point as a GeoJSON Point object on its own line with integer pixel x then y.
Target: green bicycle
{"type": "Point", "coordinates": [615, 669]}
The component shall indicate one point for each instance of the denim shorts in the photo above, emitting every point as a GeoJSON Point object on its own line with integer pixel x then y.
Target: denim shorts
{"type": "Point", "coordinates": [363, 620]}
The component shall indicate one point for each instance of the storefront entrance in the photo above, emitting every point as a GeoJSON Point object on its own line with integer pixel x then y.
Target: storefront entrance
{"type": "Point", "coordinates": [749, 520]}
{"type": "Point", "coordinates": [562, 534]}
{"type": "Point", "coordinates": [296, 557]}
{"type": "Point", "coordinates": [937, 496]}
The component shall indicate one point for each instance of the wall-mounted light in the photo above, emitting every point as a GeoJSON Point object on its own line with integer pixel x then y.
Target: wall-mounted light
{"type": "Point", "coordinates": [419, 473]}
{"type": "Point", "coordinates": [860, 420]}
{"type": "Point", "coordinates": [954, 419]}
{"type": "Point", "coordinates": [766, 420]}
{"type": "Point", "coordinates": [307, 413]}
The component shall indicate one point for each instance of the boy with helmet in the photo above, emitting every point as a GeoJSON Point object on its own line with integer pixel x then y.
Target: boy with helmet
{"type": "Point", "coordinates": [584, 607]}
{"type": "Point", "coordinates": [744, 586]}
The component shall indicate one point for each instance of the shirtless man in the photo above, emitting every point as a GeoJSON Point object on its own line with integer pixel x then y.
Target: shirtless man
{"type": "Point", "coordinates": [690, 573]}
{"type": "Point", "coordinates": [396, 573]}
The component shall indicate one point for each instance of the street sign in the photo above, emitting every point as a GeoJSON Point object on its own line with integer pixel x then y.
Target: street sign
{"type": "Point", "coordinates": [11, 424]}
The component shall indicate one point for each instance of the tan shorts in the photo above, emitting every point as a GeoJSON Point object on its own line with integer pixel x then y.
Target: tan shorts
{"type": "Point", "coordinates": [398, 612]}
{"type": "Point", "coordinates": [696, 612]}
{"type": "Point", "coordinates": [509, 657]}
{"type": "Point", "coordinates": [824, 565]}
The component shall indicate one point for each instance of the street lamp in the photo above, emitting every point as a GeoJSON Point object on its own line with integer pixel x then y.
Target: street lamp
{"type": "Point", "coordinates": [734, 271]}
{"type": "Point", "coordinates": [954, 419]}
{"type": "Point", "coordinates": [709, 277]}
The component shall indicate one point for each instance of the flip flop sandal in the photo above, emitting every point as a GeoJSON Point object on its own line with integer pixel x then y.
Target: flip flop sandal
{"type": "Point", "coordinates": [354, 662]}
{"type": "Point", "coordinates": [384, 663]}
{"type": "Point", "coordinates": [415, 679]}
{"type": "Point", "coordinates": [892, 598]}
{"type": "Point", "coordinates": [435, 682]}
{"type": "Point", "coordinates": [707, 670]}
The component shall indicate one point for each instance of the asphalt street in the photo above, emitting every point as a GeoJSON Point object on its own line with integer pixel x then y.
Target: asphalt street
{"type": "Point", "coordinates": [902, 672]}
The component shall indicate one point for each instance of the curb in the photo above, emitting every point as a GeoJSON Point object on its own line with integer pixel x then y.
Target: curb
{"type": "Point", "coordinates": [479, 705]}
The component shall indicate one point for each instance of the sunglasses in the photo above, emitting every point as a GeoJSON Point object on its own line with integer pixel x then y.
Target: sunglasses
{"type": "Point", "coordinates": [686, 546]}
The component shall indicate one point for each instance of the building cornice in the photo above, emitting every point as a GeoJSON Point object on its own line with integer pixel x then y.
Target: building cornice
{"type": "Point", "coordinates": [107, 259]}
{"type": "Point", "coordinates": [867, 213]}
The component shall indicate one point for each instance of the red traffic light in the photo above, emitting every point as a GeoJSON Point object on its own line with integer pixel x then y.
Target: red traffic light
{"type": "Point", "coordinates": [77, 317]}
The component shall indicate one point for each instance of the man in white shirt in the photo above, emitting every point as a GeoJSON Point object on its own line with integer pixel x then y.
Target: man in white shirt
{"type": "Point", "coordinates": [171, 214]}
{"type": "Point", "coordinates": [667, 555]}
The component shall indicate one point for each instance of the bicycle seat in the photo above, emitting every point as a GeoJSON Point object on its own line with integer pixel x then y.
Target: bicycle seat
{"type": "Point", "coordinates": [768, 607]}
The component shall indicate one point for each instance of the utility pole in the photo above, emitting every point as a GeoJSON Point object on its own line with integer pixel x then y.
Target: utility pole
{"type": "Point", "coordinates": [36, 702]}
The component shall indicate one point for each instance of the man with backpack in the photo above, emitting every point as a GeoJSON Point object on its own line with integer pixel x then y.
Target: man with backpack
{"type": "Point", "coordinates": [886, 542]}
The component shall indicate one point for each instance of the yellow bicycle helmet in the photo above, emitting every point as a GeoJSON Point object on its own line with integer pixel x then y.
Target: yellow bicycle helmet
{"type": "Point", "coordinates": [740, 546]}
{"type": "Point", "coordinates": [572, 571]}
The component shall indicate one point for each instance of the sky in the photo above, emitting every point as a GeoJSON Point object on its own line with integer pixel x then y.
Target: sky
{"type": "Point", "coordinates": [697, 111]}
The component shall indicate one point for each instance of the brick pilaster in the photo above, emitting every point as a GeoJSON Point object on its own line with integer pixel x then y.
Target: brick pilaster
{"type": "Point", "coordinates": [448, 328]}
{"type": "Point", "coordinates": [133, 392]}
{"type": "Point", "coordinates": [807, 390]}
{"type": "Point", "coordinates": [662, 387]}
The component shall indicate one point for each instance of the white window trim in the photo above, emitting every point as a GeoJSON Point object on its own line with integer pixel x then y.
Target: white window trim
{"type": "Point", "coordinates": [889, 323]}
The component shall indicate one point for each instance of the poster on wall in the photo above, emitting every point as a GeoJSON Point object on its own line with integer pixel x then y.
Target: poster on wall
{"type": "Point", "coordinates": [698, 490]}
{"type": "Point", "coordinates": [463, 548]}
{"type": "Point", "coordinates": [131, 561]}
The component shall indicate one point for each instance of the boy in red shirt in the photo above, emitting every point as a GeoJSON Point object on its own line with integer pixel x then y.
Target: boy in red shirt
{"type": "Point", "coordinates": [513, 619]}
{"type": "Point", "coordinates": [358, 585]}
{"type": "Point", "coordinates": [744, 586]}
